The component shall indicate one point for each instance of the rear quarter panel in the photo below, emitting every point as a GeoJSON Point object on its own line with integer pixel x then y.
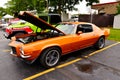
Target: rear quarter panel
{"type": "Point", "coordinates": [106, 32]}
{"type": "Point", "coordinates": [98, 31]}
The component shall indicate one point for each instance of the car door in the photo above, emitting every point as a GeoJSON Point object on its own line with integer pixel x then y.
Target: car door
{"type": "Point", "coordinates": [86, 38]}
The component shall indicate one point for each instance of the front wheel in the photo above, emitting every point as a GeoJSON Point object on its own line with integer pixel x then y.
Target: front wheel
{"type": "Point", "coordinates": [50, 57]}
{"type": "Point", "coordinates": [100, 43]}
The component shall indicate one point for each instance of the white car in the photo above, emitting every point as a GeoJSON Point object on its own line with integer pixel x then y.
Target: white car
{"type": "Point", "coordinates": [3, 25]}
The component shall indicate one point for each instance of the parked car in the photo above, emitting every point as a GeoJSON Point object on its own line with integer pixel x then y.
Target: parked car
{"type": "Point", "coordinates": [3, 25]}
{"type": "Point", "coordinates": [51, 18]}
{"type": "Point", "coordinates": [20, 27]}
{"type": "Point", "coordinates": [23, 27]}
{"type": "Point", "coordinates": [48, 46]}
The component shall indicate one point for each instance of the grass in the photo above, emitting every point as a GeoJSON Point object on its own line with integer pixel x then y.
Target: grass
{"type": "Point", "coordinates": [114, 34]}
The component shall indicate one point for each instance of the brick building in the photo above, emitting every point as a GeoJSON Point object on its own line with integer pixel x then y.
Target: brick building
{"type": "Point", "coordinates": [107, 8]}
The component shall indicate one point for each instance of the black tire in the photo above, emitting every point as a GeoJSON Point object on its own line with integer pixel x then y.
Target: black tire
{"type": "Point", "coordinates": [50, 57]}
{"type": "Point", "coordinates": [100, 43]}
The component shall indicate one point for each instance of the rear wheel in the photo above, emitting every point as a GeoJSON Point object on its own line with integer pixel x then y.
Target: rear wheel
{"type": "Point", "coordinates": [50, 57]}
{"type": "Point", "coordinates": [100, 43]}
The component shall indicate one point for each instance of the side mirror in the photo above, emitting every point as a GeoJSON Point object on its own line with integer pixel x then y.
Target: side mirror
{"type": "Point", "coordinates": [79, 32]}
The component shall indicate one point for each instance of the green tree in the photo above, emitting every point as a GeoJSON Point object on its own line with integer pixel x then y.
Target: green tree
{"type": "Point", "coordinates": [63, 5]}
{"type": "Point", "coordinates": [16, 6]}
{"type": "Point", "coordinates": [40, 5]}
{"type": "Point", "coordinates": [2, 12]}
{"type": "Point", "coordinates": [23, 5]}
{"type": "Point", "coordinates": [118, 9]}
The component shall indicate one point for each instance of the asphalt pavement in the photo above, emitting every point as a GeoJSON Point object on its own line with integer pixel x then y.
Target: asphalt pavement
{"type": "Point", "coordinates": [102, 65]}
{"type": "Point", "coordinates": [2, 35]}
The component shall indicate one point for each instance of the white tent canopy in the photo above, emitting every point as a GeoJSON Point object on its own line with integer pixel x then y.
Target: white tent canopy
{"type": "Point", "coordinates": [7, 16]}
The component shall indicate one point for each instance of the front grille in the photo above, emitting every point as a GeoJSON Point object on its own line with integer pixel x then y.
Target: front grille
{"type": "Point", "coordinates": [13, 50]}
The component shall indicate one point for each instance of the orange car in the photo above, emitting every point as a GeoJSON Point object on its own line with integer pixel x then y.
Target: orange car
{"type": "Point", "coordinates": [53, 42]}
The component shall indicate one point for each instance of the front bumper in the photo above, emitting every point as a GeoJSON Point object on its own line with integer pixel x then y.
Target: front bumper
{"type": "Point", "coordinates": [22, 55]}
{"type": "Point", "coordinates": [11, 52]}
{"type": "Point", "coordinates": [18, 51]}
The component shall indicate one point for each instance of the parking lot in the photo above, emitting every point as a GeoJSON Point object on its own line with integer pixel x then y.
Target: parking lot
{"type": "Point", "coordinates": [86, 64]}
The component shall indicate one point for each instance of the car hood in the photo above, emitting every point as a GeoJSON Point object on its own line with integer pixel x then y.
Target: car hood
{"type": "Point", "coordinates": [37, 21]}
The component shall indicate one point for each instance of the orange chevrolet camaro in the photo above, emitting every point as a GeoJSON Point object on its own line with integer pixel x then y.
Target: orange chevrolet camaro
{"type": "Point", "coordinates": [51, 43]}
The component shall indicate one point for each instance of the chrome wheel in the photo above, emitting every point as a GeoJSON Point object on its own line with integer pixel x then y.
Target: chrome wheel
{"type": "Point", "coordinates": [101, 43]}
{"type": "Point", "coordinates": [52, 57]}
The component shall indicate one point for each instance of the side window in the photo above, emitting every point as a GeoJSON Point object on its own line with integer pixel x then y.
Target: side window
{"type": "Point", "coordinates": [86, 28]}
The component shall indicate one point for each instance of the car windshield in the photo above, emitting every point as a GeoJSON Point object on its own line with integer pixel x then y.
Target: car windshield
{"type": "Point", "coordinates": [66, 28]}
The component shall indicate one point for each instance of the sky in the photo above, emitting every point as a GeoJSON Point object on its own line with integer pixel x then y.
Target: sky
{"type": "Point", "coordinates": [81, 8]}
{"type": "Point", "coordinates": [85, 10]}
{"type": "Point", "coordinates": [2, 2]}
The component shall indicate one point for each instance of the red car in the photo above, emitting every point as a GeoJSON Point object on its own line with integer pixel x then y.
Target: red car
{"type": "Point", "coordinates": [22, 27]}
{"type": "Point", "coordinates": [52, 42]}
{"type": "Point", "coordinates": [18, 27]}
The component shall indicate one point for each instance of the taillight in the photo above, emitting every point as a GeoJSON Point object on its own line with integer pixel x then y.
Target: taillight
{"type": "Point", "coordinates": [28, 29]}
{"type": "Point", "coordinates": [8, 30]}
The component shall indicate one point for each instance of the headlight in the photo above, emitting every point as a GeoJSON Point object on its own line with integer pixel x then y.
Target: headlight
{"type": "Point", "coordinates": [21, 51]}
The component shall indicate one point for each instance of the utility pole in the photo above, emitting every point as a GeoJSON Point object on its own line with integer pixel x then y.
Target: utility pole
{"type": "Point", "coordinates": [91, 16]}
